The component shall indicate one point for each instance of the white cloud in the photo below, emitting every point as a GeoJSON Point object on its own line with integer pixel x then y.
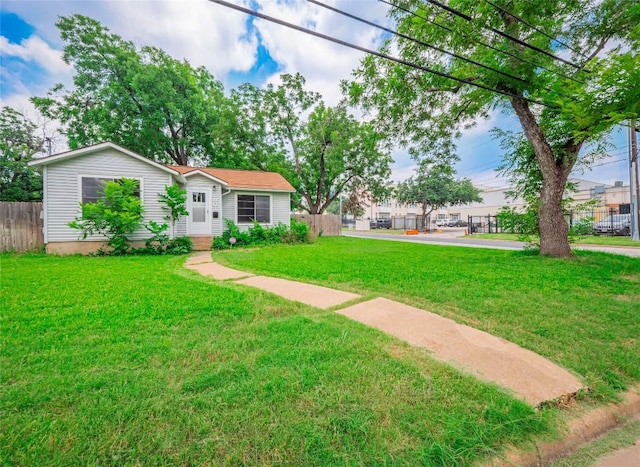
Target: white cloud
{"type": "Point", "coordinates": [323, 63]}
{"type": "Point", "coordinates": [34, 49]}
{"type": "Point", "coordinates": [202, 32]}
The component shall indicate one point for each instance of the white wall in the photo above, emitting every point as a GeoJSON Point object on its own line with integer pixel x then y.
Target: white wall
{"type": "Point", "coordinates": [280, 207]}
{"type": "Point", "coordinates": [64, 192]}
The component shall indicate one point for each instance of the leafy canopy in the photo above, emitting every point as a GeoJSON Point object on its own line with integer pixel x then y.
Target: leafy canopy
{"type": "Point", "coordinates": [18, 144]}
{"type": "Point", "coordinates": [434, 187]}
{"type": "Point", "coordinates": [328, 150]}
{"type": "Point", "coordinates": [580, 99]}
{"type": "Point", "coordinates": [143, 99]}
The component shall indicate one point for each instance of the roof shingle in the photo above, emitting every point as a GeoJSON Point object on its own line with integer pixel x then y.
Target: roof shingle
{"type": "Point", "coordinates": [235, 178]}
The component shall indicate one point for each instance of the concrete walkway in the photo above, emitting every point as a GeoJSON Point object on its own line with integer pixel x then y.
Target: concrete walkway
{"type": "Point", "coordinates": [493, 359]}
{"type": "Point", "coordinates": [528, 375]}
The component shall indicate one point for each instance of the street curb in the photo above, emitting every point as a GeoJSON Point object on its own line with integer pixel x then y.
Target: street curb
{"type": "Point", "coordinates": [580, 431]}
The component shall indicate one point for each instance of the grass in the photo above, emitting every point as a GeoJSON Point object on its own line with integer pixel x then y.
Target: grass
{"type": "Point", "coordinates": [588, 240]}
{"type": "Point", "coordinates": [616, 439]}
{"type": "Point", "coordinates": [136, 361]}
{"type": "Point", "coordinates": [581, 313]}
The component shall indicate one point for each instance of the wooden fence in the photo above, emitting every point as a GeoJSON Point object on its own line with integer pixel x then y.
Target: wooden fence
{"type": "Point", "coordinates": [327, 225]}
{"type": "Point", "coordinates": [20, 226]}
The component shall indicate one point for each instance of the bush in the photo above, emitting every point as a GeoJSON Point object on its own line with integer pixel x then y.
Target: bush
{"type": "Point", "coordinates": [158, 242]}
{"type": "Point", "coordinates": [524, 224]}
{"type": "Point", "coordinates": [115, 216]}
{"type": "Point", "coordinates": [232, 230]}
{"type": "Point", "coordinates": [259, 235]}
{"type": "Point", "coordinates": [301, 232]}
{"type": "Point", "coordinates": [161, 244]}
{"type": "Point", "coordinates": [179, 246]}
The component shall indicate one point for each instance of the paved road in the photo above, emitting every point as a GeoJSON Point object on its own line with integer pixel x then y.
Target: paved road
{"type": "Point", "coordinates": [449, 237]}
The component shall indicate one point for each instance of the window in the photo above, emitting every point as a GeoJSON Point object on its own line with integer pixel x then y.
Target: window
{"type": "Point", "coordinates": [93, 188]}
{"type": "Point", "coordinates": [254, 207]}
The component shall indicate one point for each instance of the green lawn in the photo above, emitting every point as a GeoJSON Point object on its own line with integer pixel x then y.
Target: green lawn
{"type": "Point", "coordinates": [587, 240]}
{"type": "Point", "coordinates": [136, 361]}
{"type": "Point", "coordinates": [583, 313]}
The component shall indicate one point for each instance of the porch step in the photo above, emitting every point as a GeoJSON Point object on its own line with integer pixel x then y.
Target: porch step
{"type": "Point", "coordinates": [201, 242]}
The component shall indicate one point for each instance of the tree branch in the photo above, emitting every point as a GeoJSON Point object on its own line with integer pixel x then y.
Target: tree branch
{"type": "Point", "coordinates": [593, 54]}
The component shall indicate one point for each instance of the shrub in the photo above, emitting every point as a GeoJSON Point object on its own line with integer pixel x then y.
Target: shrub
{"type": "Point", "coordinates": [301, 231]}
{"type": "Point", "coordinates": [159, 240]}
{"type": "Point", "coordinates": [259, 235]}
{"type": "Point", "coordinates": [524, 224]}
{"type": "Point", "coordinates": [179, 246]}
{"type": "Point", "coordinates": [161, 244]}
{"type": "Point", "coordinates": [115, 216]}
{"type": "Point", "coordinates": [582, 227]}
{"type": "Point", "coordinates": [232, 230]}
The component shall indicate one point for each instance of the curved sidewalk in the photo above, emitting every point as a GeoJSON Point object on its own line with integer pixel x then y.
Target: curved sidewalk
{"type": "Point", "coordinates": [528, 375]}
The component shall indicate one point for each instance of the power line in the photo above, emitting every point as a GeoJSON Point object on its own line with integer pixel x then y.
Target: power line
{"type": "Point", "coordinates": [417, 41]}
{"type": "Point", "coordinates": [484, 44]}
{"type": "Point", "coordinates": [378, 54]}
{"type": "Point", "coordinates": [606, 163]}
{"type": "Point", "coordinates": [535, 28]}
{"type": "Point", "coordinates": [504, 34]}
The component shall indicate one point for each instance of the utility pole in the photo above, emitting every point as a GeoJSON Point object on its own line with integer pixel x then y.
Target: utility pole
{"type": "Point", "coordinates": [634, 183]}
{"type": "Point", "coordinates": [48, 143]}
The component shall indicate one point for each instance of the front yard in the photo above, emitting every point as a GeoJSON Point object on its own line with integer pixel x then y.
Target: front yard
{"type": "Point", "coordinates": [582, 313]}
{"type": "Point", "coordinates": [138, 361]}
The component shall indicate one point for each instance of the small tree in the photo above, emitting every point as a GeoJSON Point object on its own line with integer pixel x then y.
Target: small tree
{"type": "Point", "coordinates": [434, 187]}
{"type": "Point", "coordinates": [115, 216]}
{"type": "Point", "coordinates": [175, 202]}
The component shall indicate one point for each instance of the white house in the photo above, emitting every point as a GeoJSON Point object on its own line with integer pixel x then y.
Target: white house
{"type": "Point", "coordinates": [77, 176]}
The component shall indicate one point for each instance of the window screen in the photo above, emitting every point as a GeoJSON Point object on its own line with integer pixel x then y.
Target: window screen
{"type": "Point", "coordinates": [254, 207]}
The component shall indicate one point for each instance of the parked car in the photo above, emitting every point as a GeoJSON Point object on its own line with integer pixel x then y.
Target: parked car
{"type": "Point", "coordinates": [617, 224]}
{"type": "Point", "coordinates": [458, 223]}
{"type": "Point", "coordinates": [442, 222]}
{"type": "Point", "coordinates": [381, 224]}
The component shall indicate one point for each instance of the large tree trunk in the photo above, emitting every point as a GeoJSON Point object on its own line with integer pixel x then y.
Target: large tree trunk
{"type": "Point", "coordinates": [554, 230]}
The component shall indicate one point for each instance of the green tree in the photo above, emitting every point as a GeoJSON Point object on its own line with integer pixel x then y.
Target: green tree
{"type": "Point", "coordinates": [247, 118]}
{"type": "Point", "coordinates": [579, 78]}
{"type": "Point", "coordinates": [435, 187]}
{"type": "Point", "coordinates": [140, 98]}
{"type": "Point", "coordinates": [18, 144]}
{"type": "Point", "coordinates": [174, 202]}
{"type": "Point", "coordinates": [116, 216]}
{"type": "Point", "coordinates": [330, 152]}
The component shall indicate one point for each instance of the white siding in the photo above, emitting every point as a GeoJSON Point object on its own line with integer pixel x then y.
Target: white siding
{"type": "Point", "coordinates": [63, 191]}
{"type": "Point", "coordinates": [228, 207]}
{"type": "Point", "coordinates": [281, 208]}
{"type": "Point", "coordinates": [199, 181]}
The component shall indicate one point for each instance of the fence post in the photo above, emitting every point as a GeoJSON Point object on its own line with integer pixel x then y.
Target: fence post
{"type": "Point", "coordinates": [571, 218]}
{"type": "Point", "coordinates": [611, 213]}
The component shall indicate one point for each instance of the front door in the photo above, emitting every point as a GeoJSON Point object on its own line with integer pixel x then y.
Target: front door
{"type": "Point", "coordinates": [199, 218]}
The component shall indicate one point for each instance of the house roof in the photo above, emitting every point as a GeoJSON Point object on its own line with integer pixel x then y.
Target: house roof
{"type": "Point", "coordinates": [232, 178]}
{"type": "Point", "coordinates": [93, 149]}
{"type": "Point", "coordinates": [238, 179]}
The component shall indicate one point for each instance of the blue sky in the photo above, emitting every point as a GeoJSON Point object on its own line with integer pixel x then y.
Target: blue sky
{"type": "Point", "coordinates": [238, 49]}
